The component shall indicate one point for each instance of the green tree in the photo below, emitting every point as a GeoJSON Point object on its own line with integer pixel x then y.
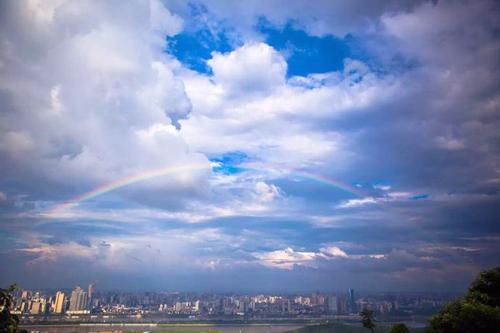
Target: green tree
{"type": "Point", "coordinates": [478, 311]}
{"type": "Point", "coordinates": [9, 323]}
{"type": "Point", "coordinates": [400, 328]}
{"type": "Point", "coordinates": [485, 288]}
{"type": "Point", "coordinates": [367, 319]}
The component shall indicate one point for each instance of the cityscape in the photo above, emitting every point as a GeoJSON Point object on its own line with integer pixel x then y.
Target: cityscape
{"type": "Point", "coordinates": [91, 305]}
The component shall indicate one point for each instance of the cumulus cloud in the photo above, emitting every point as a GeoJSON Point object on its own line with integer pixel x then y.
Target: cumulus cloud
{"type": "Point", "coordinates": [289, 259]}
{"type": "Point", "coordinates": [280, 127]}
{"type": "Point", "coordinates": [332, 251]}
{"type": "Point", "coordinates": [266, 192]}
{"type": "Point", "coordinates": [325, 17]}
{"type": "Point", "coordinates": [255, 68]}
{"type": "Point", "coordinates": [286, 258]}
{"type": "Point", "coordinates": [81, 83]}
{"type": "Point", "coordinates": [114, 253]}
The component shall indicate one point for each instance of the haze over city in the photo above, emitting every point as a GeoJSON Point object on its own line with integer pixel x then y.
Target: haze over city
{"type": "Point", "coordinates": [249, 146]}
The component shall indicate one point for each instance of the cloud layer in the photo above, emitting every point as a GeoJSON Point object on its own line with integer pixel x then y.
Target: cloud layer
{"type": "Point", "coordinates": [381, 175]}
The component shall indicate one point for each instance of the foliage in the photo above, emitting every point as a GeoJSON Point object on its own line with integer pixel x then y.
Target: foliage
{"type": "Point", "coordinates": [367, 319]}
{"type": "Point", "coordinates": [400, 328]}
{"type": "Point", "coordinates": [9, 323]}
{"type": "Point", "coordinates": [479, 311]}
{"type": "Point", "coordinates": [485, 288]}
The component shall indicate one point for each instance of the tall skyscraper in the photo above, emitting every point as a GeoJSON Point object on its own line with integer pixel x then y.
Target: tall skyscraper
{"type": "Point", "coordinates": [59, 302]}
{"type": "Point", "coordinates": [351, 301]}
{"type": "Point", "coordinates": [91, 290]}
{"type": "Point", "coordinates": [78, 300]}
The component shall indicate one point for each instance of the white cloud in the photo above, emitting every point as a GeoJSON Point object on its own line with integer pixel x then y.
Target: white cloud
{"type": "Point", "coordinates": [265, 192]}
{"type": "Point", "coordinates": [382, 187]}
{"type": "Point", "coordinates": [157, 252]}
{"type": "Point", "coordinates": [82, 81]}
{"type": "Point", "coordinates": [332, 251]}
{"type": "Point", "coordinates": [255, 68]}
{"type": "Point", "coordinates": [43, 11]}
{"type": "Point", "coordinates": [324, 17]}
{"type": "Point", "coordinates": [286, 258]}
{"type": "Point", "coordinates": [55, 101]}
{"type": "Point", "coordinates": [163, 22]}
{"type": "Point", "coordinates": [17, 142]}
{"type": "Point", "coordinates": [357, 202]}
{"type": "Point", "coordinates": [44, 253]}
{"type": "Point", "coordinates": [393, 196]}
{"type": "Point", "coordinates": [280, 127]}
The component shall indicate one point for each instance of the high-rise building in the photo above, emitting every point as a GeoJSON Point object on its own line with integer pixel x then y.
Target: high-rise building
{"type": "Point", "coordinates": [196, 306]}
{"type": "Point", "coordinates": [59, 302]}
{"type": "Point", "coordinates": [24, 306]}
{"type": "Point", "coordinates": [91, 290]}
{"type": "Point", "coordinates": [333, 304]}
{"type": "Point", "coordinates": [36, 307]}
{"type": "Point", "coordinates": [78, 300]}
{"type": "Point", "coordinates": [286, 306]}
{"type": "Point", "coordinates": [178, 307]}
{"type": "Point", "coordinates": [351, 301]}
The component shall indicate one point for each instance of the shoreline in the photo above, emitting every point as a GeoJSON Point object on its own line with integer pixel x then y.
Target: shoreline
{"type": "Point", "coordinates": [160, 327]}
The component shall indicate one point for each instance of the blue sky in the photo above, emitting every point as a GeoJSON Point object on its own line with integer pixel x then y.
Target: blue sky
{"type": "Point", "coordinates": [230, 146]}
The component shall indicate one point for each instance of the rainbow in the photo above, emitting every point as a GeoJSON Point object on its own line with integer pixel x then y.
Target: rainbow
{"type": "Point", "coordinates": [121, 182]}
{"type": "Point", "coordinates": [312, 176]}
{"type": "Point", "coordinates": [332, 182]}
{"type": "Point", "coordinates": [56, 210]}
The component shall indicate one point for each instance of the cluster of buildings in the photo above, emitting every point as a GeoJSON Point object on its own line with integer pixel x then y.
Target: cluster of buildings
{"type": "Point", "coordinates": [80, 303]}
{"type": "Point", "coordinates": [404, 304]}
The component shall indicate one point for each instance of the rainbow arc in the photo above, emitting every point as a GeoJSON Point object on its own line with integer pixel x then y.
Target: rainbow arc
{"type": "Point", "coordinates": [161, 172]}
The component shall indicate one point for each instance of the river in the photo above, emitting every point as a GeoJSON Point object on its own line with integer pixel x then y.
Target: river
{"type": "Point", "coordinates": [119, 328]}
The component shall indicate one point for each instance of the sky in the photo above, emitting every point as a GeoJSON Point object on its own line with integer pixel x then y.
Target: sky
{"type": "Point", "coordinates": [249, 146]}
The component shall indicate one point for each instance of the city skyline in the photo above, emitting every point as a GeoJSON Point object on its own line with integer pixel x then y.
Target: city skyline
{"type": "Point", "coordinates": [105, 306]}
{"type": "Point", "coordinates": [255, 146]}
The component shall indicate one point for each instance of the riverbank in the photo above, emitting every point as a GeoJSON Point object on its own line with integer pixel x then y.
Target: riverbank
{"type": "Point", "coordinates": [160, 328]}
